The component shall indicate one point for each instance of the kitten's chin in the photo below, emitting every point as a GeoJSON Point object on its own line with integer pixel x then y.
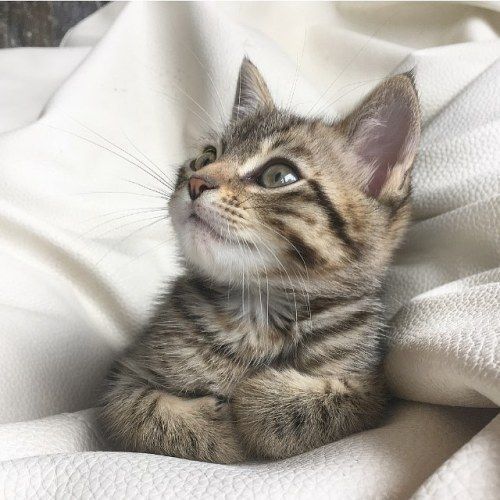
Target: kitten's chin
{"type": "Point", "coordinates": [217, 256]}
{"type": "Point", "coordinates": [209, 252]}
{"type": "Point", "coordinates": [212, 259]}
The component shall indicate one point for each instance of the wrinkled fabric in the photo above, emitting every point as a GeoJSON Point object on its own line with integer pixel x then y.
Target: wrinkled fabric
{"type": "Point", "coordinates": [85, 244]}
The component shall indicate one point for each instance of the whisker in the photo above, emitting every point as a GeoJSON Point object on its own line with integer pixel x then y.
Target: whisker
{"type": "Point", "coordinates": [297, 71]}
{"type": "Point", "coordinates": [121, 217]}
{"type": "Point", "coordinates": [120, 193]}
{"type": "Point", "coordinates": [170, 182]}
{"type": "Point", "coordinates": [267, 282]}
{"type": "Point", "coordinates": [305, 266]}
{"type": "Point", "coordinates": [282, 267]}
{"type": "Point", "coordinates": [215, 124]}
{"type": "Point", "coordinates": [152, 173]}
{"type": "Point", "coordinates": [117, 228]}
{"type": "Point", "coordinates": [239, 99]}
{"type": "Point", "coordinates": [221, 105]}
{"type": "Point", "coordinates": [355, 85]}
{"type": "Point", "coordinates": [183, 107]}
{"type": "Point", "coordinates": [156, 220]}
{"type": "Point", "coordinates": [196, 103]}
{"type": "Point", "coordinates": [162, 193]}
{"type": "Point", "coordinates": [90, 141]}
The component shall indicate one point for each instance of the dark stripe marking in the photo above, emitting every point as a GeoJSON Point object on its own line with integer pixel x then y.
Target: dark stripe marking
{"type": "Point", "coordinates": [338, 328]}
{"type": "Point", "coordinates": [319, 304]}
{"type": "Point", "coordinates": [299, 249]}
{"type": "Point", "coordinates": [307, 255]}
{"type": "Point", "coordinates": [336, 221]}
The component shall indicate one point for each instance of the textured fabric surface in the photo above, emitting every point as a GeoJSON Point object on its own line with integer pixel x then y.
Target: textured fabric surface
{"type": "Point", "coordinates": [83, 250]}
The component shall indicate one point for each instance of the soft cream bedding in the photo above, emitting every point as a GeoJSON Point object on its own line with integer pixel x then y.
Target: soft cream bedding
{"type": "Point", "coordinates": [83, 251]}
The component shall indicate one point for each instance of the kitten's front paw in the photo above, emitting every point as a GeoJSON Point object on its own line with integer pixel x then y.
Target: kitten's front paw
{"type": "Point", "coordinates": [222, 442]}
{"type": "Point", "coordinates": [215, 408]}
{"type": "Point", "coordinates": [276, 414]}
{"type": "Point", "coordinates": [228, 448]}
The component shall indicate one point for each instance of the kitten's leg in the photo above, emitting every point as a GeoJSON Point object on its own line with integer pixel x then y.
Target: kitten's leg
{"type": "Point", "coordinates": [144, 419]}
{"type": "Point", "coordinates": [284, 413]}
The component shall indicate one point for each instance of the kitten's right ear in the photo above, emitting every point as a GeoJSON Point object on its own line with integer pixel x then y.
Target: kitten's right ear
{"type": "Point", "coordinates": [252, 94]}
{"type": "Point", "coordinates": [384, 132]}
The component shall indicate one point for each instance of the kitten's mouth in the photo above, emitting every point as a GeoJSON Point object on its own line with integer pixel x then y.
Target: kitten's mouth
{"type": "Point", "coordinates": [208, 228]}
{"type": "Point", "coordinates": [220, 236]}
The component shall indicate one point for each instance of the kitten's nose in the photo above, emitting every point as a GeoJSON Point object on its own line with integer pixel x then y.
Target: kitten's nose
{"type": "Point", "coordinates": [197, 184]}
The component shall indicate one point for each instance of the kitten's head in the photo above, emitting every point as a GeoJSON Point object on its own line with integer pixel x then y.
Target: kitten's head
{"type": "Point", "coordinates": [282, 197]}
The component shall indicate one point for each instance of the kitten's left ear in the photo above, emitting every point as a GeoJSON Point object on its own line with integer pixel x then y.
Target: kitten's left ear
{"type": "Point", "coordinates": [252, 94]}
{"type": "Point", "coordinates": [384, 132]}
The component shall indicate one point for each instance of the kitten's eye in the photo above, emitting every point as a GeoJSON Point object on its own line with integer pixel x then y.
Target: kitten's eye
{"type": "Point", "coordinates": [208, 156]}
{"type": "Point", "coordinates": [278, 175]}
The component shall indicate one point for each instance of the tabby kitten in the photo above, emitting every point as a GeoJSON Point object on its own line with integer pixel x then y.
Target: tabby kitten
{"type": "Point", "coordinates": [270, 344]}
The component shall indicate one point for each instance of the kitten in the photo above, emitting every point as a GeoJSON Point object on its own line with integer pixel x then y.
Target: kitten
{"type": "Point", "coordinates": [270, 344]}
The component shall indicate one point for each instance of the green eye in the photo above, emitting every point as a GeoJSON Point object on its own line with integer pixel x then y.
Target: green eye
{"type": "Point", "coordinates": [278, 175]}
{"type": "Point", "coordinates": [208, 156]}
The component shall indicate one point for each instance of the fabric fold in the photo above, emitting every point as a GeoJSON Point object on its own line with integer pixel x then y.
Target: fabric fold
{"type": "Point", "coordinates": [82, 255]}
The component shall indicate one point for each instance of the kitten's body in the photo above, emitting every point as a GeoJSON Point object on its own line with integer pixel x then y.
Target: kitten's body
{"type": "Point", "coordinates": [270, 344]}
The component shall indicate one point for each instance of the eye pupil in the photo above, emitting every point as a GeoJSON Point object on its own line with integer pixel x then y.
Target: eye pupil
{"type": "Point", "coordinates": [277, 177]}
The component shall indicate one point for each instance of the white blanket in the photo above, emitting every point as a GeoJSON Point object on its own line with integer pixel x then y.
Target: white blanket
{"type": "Point", "coordinates": [83, 249]}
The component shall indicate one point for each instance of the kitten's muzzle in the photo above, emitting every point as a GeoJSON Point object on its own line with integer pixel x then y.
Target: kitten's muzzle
{"type": "Point", "coordinates": [198, 183]}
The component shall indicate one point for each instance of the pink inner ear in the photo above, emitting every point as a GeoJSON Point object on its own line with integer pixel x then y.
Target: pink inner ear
{"type": "Point", "coordinates": [381, 140]}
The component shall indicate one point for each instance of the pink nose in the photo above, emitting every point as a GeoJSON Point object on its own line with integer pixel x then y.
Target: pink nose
{"type": "Point", "coordinates": [198, 184]}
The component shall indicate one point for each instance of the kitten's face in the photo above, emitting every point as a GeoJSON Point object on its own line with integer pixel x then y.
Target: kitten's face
{"type": "Point", "coordinates": [278, 198]}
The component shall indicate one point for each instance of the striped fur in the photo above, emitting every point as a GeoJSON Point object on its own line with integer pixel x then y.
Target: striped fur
{"type": "Point", "coordinates": [271, 343]}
